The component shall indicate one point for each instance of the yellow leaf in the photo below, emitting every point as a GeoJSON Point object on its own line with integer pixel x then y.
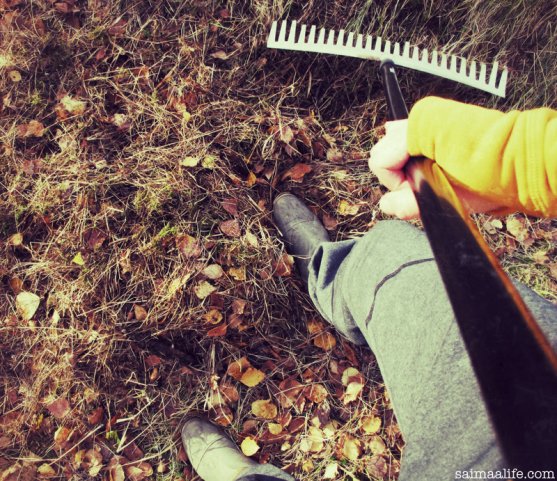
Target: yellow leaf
{"type": "Point", "coordinates": [331, 471]}
{"type": "Point", "coordinates": [275, 428]}
{"type": "Point", "coordinates": [251, 180]}
{"type": "Point", "coordinates": [238, 273]}
{"type": "Point", "coordinates": [249, 446]}
{"type": "Point", "coordinates": [78, 259]}
{"type": "Point", "coordinates": [73, 106]}
{"type": "Point", "coordinates": [377, 445]}
{"type": "Point", "coordinates": [252, 377]}
{"type": "Point", "coordinates": [27, 304]}
{"type": "Point", "coordinates": [15, 76]}
{"type": "Point", "coordinates": [264, 408]}
{"type": "Point", "coordinates": [213, 271]}
{"type": "Point", "coordinates": [370, 424]}
{"type": "Point", "coordinates": [189, 161]}
{"type": "Point", "coordinates": [16, 240]}
{"type": "Point", "coordinates": [315, 435]}
{"type": "Point", "coordinates": [325, 341]}
{"type": "Point", "coordinates": [46, 471]}
{"type": "Point", "coordinates": [351, 448]}
{"type": "Point", "coordinates": [204, 289]}
{"type": "Point", "coordinates": [353, 390]}
{"type": "Point", "coordinates": [345, 208]}
{"type": "Point", "coordinates": [237, 368]}
{"type": "Point", "coordinates": [209, 162]}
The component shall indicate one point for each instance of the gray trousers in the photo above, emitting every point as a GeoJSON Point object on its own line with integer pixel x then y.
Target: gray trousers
{"type": "Point", "coordinates": [384, 290]}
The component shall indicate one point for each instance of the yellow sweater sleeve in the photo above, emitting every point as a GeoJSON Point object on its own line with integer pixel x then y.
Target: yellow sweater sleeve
{"type": "Point", "coordinates": [510, 158]}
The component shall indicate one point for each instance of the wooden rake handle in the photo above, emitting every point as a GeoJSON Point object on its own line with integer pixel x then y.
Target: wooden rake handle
{"type": "Point", "coordinates": [515, 365]}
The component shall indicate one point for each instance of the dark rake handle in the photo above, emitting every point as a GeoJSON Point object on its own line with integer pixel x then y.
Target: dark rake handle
{"type": "Point", "coordinates": [515, 366]}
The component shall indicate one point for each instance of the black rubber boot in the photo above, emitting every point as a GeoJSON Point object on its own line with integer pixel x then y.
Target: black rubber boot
{"type": "Point", "coordinates": [301, 230]}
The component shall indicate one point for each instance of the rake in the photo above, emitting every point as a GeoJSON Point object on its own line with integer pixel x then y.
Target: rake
{"type": "Point", "coordinates": [515, 365]}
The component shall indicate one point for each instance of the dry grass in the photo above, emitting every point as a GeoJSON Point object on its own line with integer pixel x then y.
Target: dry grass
{"type": "Point", "coordinates": [167, 80]}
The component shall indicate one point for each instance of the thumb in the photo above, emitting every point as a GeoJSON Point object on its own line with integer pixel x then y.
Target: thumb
{"type": "Point", "coordinates": [401, 203]}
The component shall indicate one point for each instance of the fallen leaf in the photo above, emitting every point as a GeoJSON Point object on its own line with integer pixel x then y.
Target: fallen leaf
{"type": "Point", "coordinates": [190, 161]}
{"type": "Point", "coordinates": [61, 435]}
{"type": "Point", "coordinates": [251, 239]}
{"type": "Point", "coordinates": [329, 222]}
{"type": "Point", "coordinates": [345, 208]}
{"type": "Point", "coordinates": [290, 392]}
{"type": "Point", "coordinates": [222, 415]}
{"type": "Point", "coordinates": [230, 205]}
{"type": "Point", "coordinates": [220, 54]}
{"type": "Point", "coordinates": [115, 470]}
{"type": "Point", "coordinates": [314, 442]}
{"type": "Point", "coordinates": [370, 424]}
{"type": "Point", "coordinates": [46, 471]}
{"type": "Point", "coordinates": [27, 304]}
{"type": "Point", "coordinates": [376, 445]}
{"type": "Point", "coordinates": [331, 471]}
{"type": "Point", "coordinates": [94, 238]}
{"type": "Point", "coordinates": [264, 408]}
{"type": "Point", "coordinates": [251, 180]}
{"type": "Point", "coordinates": [231, 228]}
{"type": "Point", "coordinates": [249, 446]}
{"type": "Point", "coordinates": [218, 331]}
{"type": "Point", "coordinates": [297, 172]}
{"type": "Point", "coordinates": [252, 377]}
{"type": "Point", "coordinates": [95, 416]}
{"type": "Point", "coordinates": [376, 466]}
{"type": "Point", "coordinates": [515, 227]}
{"type": "Point", "coordinates": [316, 393]}
{"type": "Point", "coordinates": [351, 374]}
{"type": "Point", "coordinates": [351, 448]}
{"type": "Point", "coordinates": [138, 472]}
{"type": "Point", "coordinates": [275, 428]}
{"type": "Point", "coordinates": [237, 368]}
{"type": "Point", "coordinates": [139, 312]}
{"type": "Point", "coordinates": [325, 341]}
{"type": "Point", "coordinates": [78, 259]}
{"type": "Point", "coordinates": [15, 240]}
{"type": "Point", "coordinates": [352, 392]}
{"type": "Point", "coordinates": [238, 273]}
{"type": "Point", "coordinates": [314, 326]}
{"type": "Point", "coordinates": [59, 408]}
{"type": "Point", "coordinates": [209, 162]}
{"type": "Point", "coordinates": [73, 106]}
{"type": "Point", "coordinates": [152, 360]}
{"type": "Point", "coordinates": [214, 316]}
{"type": "Point", "coordinates": [213, 271]}
{"type": "Point", "coordinates": [204, 289]}
{"type": "Point", "coordinates": [334, 155]}
{"type": "Point", "coordinates": [188, 246]}
{"type": "Point", "coordinates": [229, 392]}
{"type": "Point", "coordinates": [15, 76]}
{"type": "Point", "coordinates": [31, 129]}
{"type": "Point", "coordinates": [540, 257]}
{"type": "Point", "coordinates": [283, 266]}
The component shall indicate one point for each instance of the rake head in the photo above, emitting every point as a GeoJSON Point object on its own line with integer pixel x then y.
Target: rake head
{"type": "Point", "coordinates": [292, 36]}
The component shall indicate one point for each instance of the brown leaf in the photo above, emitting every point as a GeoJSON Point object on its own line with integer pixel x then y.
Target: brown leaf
{"type": "Point", "coordinates": [239, 306]}
{"type": "Point", "coordinates": [132, 452]}
{"type": "Point", "coordinates": [31, 129]}
{"type": "Point", "coordinates": [115, 470]}
{"type": "Point", "coordinates": [139, 312]}
{"type": "Point", "coordinates": [252, 377]}
{"type": "Point", "coordinates": [59, 408]}
{"type": "Point", "coordinates": [351, 448]}
{"type": "Point", "coordinates": [94, 238]}
{"type": "Point", "coordinates": [316, 393]}
{"type": "Point", "coordinates": [230, 205]}
{"type": "Point", "coordinates": [297, 172]}
{"type": "Point", "coordinates": [329, 222]}
{"type": "Point", "coordinates": [283, 266]}
{"type": "Point", "coordinates": [222, 415]}
{"type": "Point", "coordinates": [218, 331]}
{"type": "Point", "coordinates": [220, 54]}
{"type": "Point", "coordinates": [214, 316]}
{"type": "Point", "coordinates": [229, 392]}
{"type": "Point", "coordinates": [325, 341]}
{"type": "Point", "coordinates": [95, 416]}
{"type": "Point", "coordinates": [238, 273]}
{"type": "Point", "coordinates": [231, 228]}
{"type": "Point", "coordinates": [264, 408]}
{"type": "Point", "coordinates": [138, 472]}
{"type": "Point", "coordinates": [119, 28]}
{"type": "Point", "coordinates": [334, 155]}
{"type": "Point", "coordinates": [290, 392]}
{"type": "Point", "coordinates": [296, 425]}
{"type": "Point", "coordinates": [152, 360]}
{"type": "Point", "coordinates": [237, 368]}
{"type": "Point", "coordinates": [188, 246]}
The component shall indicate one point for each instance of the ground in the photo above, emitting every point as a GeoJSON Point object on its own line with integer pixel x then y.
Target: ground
{"type": "Point", "coordinates": [142, 278]}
